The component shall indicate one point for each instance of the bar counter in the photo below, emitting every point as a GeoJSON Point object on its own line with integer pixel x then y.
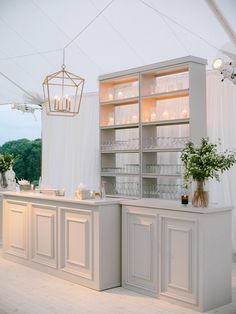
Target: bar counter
{"type": "Point", "coordinates": [73, 239]}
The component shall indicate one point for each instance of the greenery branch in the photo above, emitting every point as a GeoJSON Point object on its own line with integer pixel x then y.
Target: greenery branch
{"type": "Point", "coordinates": [6, 162]}
{"type": "Point", "coordinates": [204, 162]}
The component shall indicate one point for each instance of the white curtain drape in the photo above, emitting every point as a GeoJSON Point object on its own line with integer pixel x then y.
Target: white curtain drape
{"type": "Point", "coordinates": [70, 153]}
{"type": "Point", "coordinates": [221, 124]}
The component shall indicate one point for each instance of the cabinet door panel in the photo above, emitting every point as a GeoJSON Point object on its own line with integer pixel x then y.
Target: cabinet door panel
{"type": "Point", "coordinates": [16, 228]}
{"type": "Point", "coordinates": [179, 259]}
{"type": "Point", "coordinates": [77, 252]}
{"type": "Point", "coordinates": [76, 242]}
{"type": "Point", "coordinates": [44, 234]}
{"type": "Point", "coordinates": [141, 250]}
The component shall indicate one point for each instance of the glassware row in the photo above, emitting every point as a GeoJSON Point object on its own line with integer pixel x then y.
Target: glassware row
{"type": "Point", "coordinates": [148, 143]}
{"type": "Point", "coordinates": [127, 168]}
{"type": "Point", "coordinates": [125, 188]}
{"type": "Point", "coordinates": [132, 143]}
{"type": "Point", "coordinates": [164, 169]}
{"type": "Point", "coordinates": [164, 191]}
{"type": "Point", "coordinates": [161, 169]}
{"type": "Point", "coordinates": [164, 142]}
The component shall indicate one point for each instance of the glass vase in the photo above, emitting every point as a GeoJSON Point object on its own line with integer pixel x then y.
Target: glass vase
{"type": "Point", "coordinates": [200, 196]}
{"type": "Point", "coordinates": [3, 180]}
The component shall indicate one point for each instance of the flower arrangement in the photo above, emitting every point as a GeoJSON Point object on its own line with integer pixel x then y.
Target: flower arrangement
{"type": "Point", "coordinates": [204, 162]}
{"type": "Point", "coordinates": [6, 162]}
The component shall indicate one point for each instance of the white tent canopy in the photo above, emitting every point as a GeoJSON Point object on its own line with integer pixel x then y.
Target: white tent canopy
{"type": "Point", "coordinates": [127, 34]}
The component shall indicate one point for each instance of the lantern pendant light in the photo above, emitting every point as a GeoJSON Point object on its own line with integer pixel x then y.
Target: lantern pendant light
{"type": "Point", "coordinates": [63, 92]}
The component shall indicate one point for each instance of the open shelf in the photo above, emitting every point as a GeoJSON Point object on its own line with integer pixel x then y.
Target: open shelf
{"type": "Point", "coordinates": [119, 115]}
{"type": "Point", "coordinates": [156, 150]}
{"type": "Point", "coordinates": [166, 122]}
{"type": "Point", "coordinates": [147, 115]}
{"type": "Point", "coordinates": [168, 95]}
{"type": "Point", "coordinates": [120, 151]}
{"type": "Point", "coordinates": [123, 101]}
{"type": "Point", "coordinates": [119, 90]}
{"type": "Point", "coordinates": [107, 174]}
{"type": "Point", "coordinates": [120, 126]}
{"type": "Point", "coordinates": [154, 175]}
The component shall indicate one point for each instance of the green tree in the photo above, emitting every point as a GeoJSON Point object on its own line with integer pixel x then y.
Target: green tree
{"type": "Point", "coordinates": [28, 163]}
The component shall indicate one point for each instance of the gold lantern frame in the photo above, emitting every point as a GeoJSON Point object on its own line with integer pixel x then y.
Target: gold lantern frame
{"type": "Point", "coordinates": [65, 105]}
{"type": "Point", "coordinates": [63, 75]}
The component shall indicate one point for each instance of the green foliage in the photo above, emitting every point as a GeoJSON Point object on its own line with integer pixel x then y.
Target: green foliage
{"type": "Point", "coordinates": [28, 163]}
{"type": "Point", "coordinates": [6, 161]}
{"type": "Point", "coordinates": [205, 162]}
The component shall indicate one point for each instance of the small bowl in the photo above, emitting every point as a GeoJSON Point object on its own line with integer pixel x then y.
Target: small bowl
{"type": "Point", "coordinates": [25, 187]}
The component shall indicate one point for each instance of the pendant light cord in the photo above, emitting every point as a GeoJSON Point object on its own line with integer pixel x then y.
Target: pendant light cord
{"type": "Point", "coordinates": [16, 84]}
{"type": "Point", "coordinates": [178, 24]}
{"type": "Point", "coordinates": [64, 48]}
{"type": "Point", "coordinates": [90, 23]}
{"type": "Point", "coordinates": [84, 29]}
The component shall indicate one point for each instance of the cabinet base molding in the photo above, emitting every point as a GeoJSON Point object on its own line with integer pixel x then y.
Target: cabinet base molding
{"type": "Point", "coordinates": [141, 290]}
{"type": "Point", "coordinates": [60, 274]}
{"type": "Point", "coordinates": [196, 307]}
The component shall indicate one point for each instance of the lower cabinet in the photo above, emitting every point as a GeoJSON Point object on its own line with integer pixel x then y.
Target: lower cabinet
{"type": "Point", "coordinates": [179, 256]}
{"type": "Point", "coordinates": [77, 242]}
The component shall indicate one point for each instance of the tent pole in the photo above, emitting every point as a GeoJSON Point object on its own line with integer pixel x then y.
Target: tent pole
{"type": "Point", "coordinates": [222, 20]}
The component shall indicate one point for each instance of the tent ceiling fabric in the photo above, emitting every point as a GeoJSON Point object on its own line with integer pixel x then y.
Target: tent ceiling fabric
{"type": "Point", "coordinates": [126, 35]}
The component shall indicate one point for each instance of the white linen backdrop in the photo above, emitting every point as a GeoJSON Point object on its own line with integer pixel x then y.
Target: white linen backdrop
{"type": "Point", "coordinates": [70, 153]}
{"type": "Point", "coordinates": [221, 123]}
{"type": "Point", "coordinates": [71, 145]}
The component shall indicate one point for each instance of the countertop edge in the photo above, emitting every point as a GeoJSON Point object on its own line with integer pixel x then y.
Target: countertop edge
{"type": "Point", "coordinates": [39, 196]}
{"type": "Point", "coordinates": [147, 203]}
{"type": "Point", "coordinates": [176, 206]}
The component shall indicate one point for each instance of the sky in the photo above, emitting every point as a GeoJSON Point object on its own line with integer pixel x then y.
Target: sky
{"type": "Point", "coordinates": [15, 125]}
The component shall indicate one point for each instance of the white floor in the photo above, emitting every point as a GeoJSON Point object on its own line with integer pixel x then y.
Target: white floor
{"type": "Point", "coordinates": [27, 291]}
